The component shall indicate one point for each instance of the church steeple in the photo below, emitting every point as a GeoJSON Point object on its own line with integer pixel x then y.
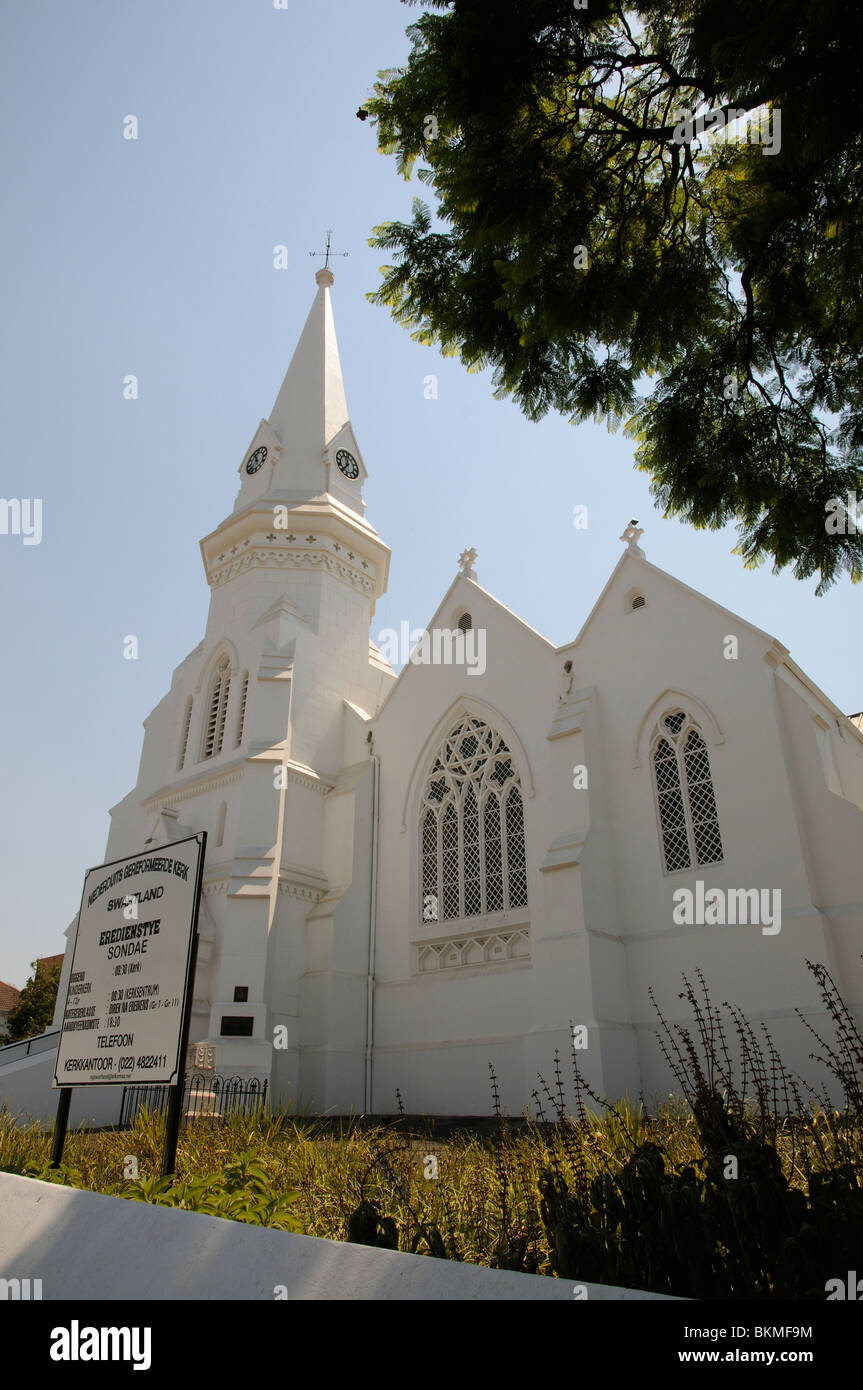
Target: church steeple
{"type": "Point", "coordinates": [300, 505]}
{"type": "Point", "coordinates": [311, 407]}
{"type": "Point", "coordinates": [306, 447]}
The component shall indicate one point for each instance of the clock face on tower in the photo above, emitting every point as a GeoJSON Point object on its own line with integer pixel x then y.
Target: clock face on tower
{"type": "Point", "coordinates": [256, 460]}
{"type": "Point", "coordinates": [348, 464]}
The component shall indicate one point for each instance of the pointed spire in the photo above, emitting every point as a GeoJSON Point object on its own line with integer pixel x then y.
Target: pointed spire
{"type": "Point", "coordinates": [311, 408]}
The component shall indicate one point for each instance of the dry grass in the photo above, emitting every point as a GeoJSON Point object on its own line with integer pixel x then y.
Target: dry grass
{"type": "Point", "coordinates": [333, 1172]}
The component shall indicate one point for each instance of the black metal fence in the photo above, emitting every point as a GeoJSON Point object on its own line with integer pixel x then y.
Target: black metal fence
{"type": "Point", "coordinates": [204, 1098]}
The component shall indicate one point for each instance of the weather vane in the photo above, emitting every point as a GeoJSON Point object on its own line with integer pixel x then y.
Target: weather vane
{"type": "Point", "coordinates": [329, 252]}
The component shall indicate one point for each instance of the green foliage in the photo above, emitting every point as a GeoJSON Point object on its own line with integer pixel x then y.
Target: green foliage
{"type": "Point", "coordinates": [35, 1008]}
{"type": "Point", "coordinates": [20, 1144]}
{"type": "Point", "coordinates": [730, 275]}
{"type": "Point", "coordinates": [698, 1233]}
{"type": "Point", "coordinates": [732, 1222]}
{"type": "Point", "coordinates": [240, 1192]}
{"type": "Point", "coordinates": [64, 1175]}
{"type": "Point", "coordinates": [366, 1226]}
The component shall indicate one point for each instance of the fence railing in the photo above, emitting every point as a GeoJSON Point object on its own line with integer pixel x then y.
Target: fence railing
{"type": "Point", "coordinates": [204, 1097]}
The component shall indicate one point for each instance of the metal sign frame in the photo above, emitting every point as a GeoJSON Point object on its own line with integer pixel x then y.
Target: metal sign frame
{"type": "Point", "coordinates": [172, 1127]}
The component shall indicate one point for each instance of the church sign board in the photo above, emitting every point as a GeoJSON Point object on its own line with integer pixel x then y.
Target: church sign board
{"type": "Point", "coordinates": [127, 1003]}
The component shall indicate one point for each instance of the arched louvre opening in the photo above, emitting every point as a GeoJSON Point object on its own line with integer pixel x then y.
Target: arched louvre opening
{"type": "Point", "coordinates": [471, 827]}
{"type": "Point", "coordinates": [685, 800]}
{"type": "Point", "coordinates": [214, 730]}
{"type": "Point", "coordinates": [184, 739]}
{"type": "Point", "coordinates": [242, 717]}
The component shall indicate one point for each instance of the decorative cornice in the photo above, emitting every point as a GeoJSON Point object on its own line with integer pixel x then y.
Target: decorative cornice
{"type": "Point", "coordinates": [165, 798]}
{"type": "Point", "coordinates": [305, 779]}
{"type": "Point", "coordinates": [217, 885]}
{"type": "Point", "coordinates": [288, 888]}
{"type": "Point", "coordinates": [300, 890]}
{"type": "Point", "coordinates": [460, 953]}
{"type": "Point", "coordinates": [279, 556]}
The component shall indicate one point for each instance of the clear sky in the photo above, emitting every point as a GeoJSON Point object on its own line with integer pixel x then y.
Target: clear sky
{"type": "Point", "coordinates": [154, 257]}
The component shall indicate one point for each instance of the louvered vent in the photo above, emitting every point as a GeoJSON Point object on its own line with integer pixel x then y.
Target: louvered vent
{"type": "Point", "coordinates": [215, 730]}
{"type": "Point", "coordinates": [242, 718]}
{"type": "Point", "coordinates": [184, 741]}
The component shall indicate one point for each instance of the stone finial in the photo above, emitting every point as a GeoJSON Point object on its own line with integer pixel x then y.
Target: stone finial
{"type": "Point", "coordinates": [631, 533]}
{"type": "Point", "coordinates": [324, 276]}
{"type": "Point", "coordinates": [465, 563]}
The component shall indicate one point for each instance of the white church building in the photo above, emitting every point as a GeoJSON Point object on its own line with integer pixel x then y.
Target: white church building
{"type": "Point", "coordinates": [409, 877]}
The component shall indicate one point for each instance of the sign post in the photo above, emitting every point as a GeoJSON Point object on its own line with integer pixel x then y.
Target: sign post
{"type": "Point", "coordinates": [61, 1124]}
{"type": "Point", "coordinates": [175, 1102]}
{"type": "Point", "coordinates": [129, 999]}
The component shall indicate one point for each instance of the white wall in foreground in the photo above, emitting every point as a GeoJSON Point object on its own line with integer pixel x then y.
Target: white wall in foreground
{"type": "Point", "coordinates": [86, 1246]}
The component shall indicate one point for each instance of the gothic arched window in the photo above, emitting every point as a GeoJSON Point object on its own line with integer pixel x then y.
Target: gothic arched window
{"type": "Point", "coordinates": [472, 827]}
{"type": "Point", "coordinates": [214, 730]}
{"type": "Point", "coordinates": [688, 819]}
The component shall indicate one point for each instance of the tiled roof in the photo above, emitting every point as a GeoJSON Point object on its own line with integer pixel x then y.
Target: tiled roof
{"type": "Point", "coordinates": [9, 997]}
{"type": "Point", "coordinates": [48, 962]}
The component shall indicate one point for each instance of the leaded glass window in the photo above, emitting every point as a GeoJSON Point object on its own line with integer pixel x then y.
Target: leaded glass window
{"type": "Point", "coordinates": [688, 818]}
{"type": "Point", "coordinates": [471, 829]}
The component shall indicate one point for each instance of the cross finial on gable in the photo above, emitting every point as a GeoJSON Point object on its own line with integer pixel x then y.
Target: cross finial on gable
{"type": "Point", "coordinates": [631, 533]}
{"type": "Point", "coordinates": [465, 563]}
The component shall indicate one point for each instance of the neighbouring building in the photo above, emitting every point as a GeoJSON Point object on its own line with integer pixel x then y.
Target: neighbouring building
{"type": "Point", "coordinates": [9, 997]}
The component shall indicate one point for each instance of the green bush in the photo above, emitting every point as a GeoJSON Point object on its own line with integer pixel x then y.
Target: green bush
{"type": "Point", "coordinates": [772, 1206]}
{"type": "Point", "coordinates": [240, 1191]}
